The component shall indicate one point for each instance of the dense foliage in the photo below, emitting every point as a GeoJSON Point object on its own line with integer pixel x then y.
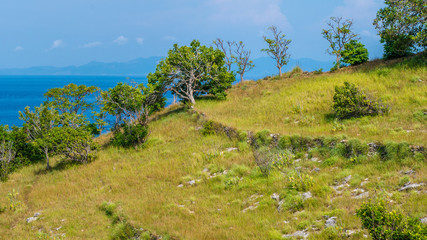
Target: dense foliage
{"type": "Point", "coordinates": [402, 26]}
{"type": "Point", "coordinates": [382, 224]}
{"type": "Point", "coordinates": [192, 71]}
{"type": "Point", "coordinates": [130, 135]}
{"type": "Point", "coordinates": [354, 53]}
{"type": "Point", "coordinates": [351, 102]}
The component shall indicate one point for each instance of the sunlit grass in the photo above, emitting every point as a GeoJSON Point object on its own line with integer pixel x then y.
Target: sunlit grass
{"type": "Point", "coordinates": [303, 105]}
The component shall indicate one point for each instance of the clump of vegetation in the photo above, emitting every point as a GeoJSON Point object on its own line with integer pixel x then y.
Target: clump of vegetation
{"type": "Point", "coordinates": [130, 135]}
{"type": "Point", "coordinates": [208, 128]}
{"type": "Point", "coordinates": [383, 224]}
{"type": "Point", "coordinates": [300, 181]}
{"type": "Point", "coordinates": [354, 53]}
{"type": "Point", "coordinates": [14, 203]}
{"type": "Point", "coordinates": [350, 102]}
{"type": "Point", "coordinates": [122, 229]}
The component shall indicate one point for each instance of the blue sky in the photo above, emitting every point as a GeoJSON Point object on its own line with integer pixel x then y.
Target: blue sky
{"type": "Point", "coordinates": [75, 32]}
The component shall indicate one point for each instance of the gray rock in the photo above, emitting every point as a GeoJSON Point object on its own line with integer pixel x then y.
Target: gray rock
{"type": "Point", "coordinates": [232, 149]}
{"type": "Point", "coordinates": [424, 220]}
{"type": "Point", "coordinates": [180, 185]}
{"type": "Point", "coordinates": [205, 170]}
{"type": "Point", "coordinates": [348, 178]}
{"type": "Point", "coordinates": [192, 182]}
{"type": "Point", "coordinates": [331, 222]}
{"type": "Point", "coordinates": [304, 234]}
{"type": "Point", "coordinates": [362, 195]}
{"type": "Point", "coordinates": [307, 195]}
{"type": "Point", "coordinates": [36, 214]}
{"type": "Point", "coordinates": [317, 169]}
{"type": "Point", "coordinates": [411, 186]}
{"type": "Point", "coordinates": [279, 206]}
{"type": "Point", "coordinates": [31, 219]}
{"type": "Point", "coordinates": [408, 172]}
{"type": "Point", "coordinates": [314, 159]}
{"type": "Point", "coordinates": [275, 196]}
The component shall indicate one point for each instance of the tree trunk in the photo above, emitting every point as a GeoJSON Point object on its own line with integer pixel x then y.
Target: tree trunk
{"type": "Point", "coordinates": [338, 62]}
{"type": "Point", "coordinates": [280, 71]}
{"type": "Point", "coordinates": [241, 77]}
{"type": "Point", "coordinates": [46, 152]}
{"type": "Point", "coordinates": [191, 98]}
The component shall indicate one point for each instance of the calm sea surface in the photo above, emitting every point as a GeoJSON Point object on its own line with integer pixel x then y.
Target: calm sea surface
{"type": "Point", "coordinates": [17, 92]}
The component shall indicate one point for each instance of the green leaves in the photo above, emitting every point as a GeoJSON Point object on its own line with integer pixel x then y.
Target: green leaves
{"type": "Point", "coordinates": [191, 71]}
{"type": "Point", "coordinates": [278, 48]}
{"type": "Point", "coordinates": [350, 102]}
{"type": "Point", "coordinates": [354, 53]}
{"type": "Point", "coordinates": [402, 26]}
{"type": "Point", "coordinates": [338, 34]}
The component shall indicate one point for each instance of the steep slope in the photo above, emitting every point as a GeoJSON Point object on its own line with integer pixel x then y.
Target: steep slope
{"type": "Point", "coordinates": [189, 183]}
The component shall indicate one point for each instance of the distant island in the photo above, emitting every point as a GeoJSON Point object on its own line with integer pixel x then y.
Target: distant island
{"type": "Point", "coordinates": [264, 66]}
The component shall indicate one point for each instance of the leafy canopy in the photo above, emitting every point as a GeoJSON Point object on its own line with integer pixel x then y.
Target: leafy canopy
{"type": "Point", "coordinates": [354, 53]}
{"type": "Point", "coordinates": [192, 71]}
{"type": "Point", "coordinates": [402, 26]}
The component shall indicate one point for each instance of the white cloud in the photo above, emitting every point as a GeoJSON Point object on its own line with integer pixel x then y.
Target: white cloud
{"type": "Point", "coordinates": [254, 12]}
{"type": "Point", "coordinates": [140, 40]}
{"type": "Point", "coordinates": [92, 44]}
{"type": "Point", "coordinates": [361, 10]}
{"type": "Point", "coordinates": [57, 44]}
{"type": "Point", "coordinates": [169, 38]}
{"type": "Point", "coordinates": [121, 40]}
{"type": "Point", "coordinates": [18, 49]}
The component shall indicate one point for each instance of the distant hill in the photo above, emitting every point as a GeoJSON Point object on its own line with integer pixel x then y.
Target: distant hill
{"type": "Point", "coordinates": [142, 66]}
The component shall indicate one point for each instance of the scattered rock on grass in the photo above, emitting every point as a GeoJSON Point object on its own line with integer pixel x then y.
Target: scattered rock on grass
{"type": "Point", "coordinates": [424, 220]}
{"type": "Point", "coordinates": [331, 222]}
{"type": "Point", "coordinates": [307, 195]}
{"type": "Point", "coordinates": [33, 218]}
{"type": "Point", "coordinates": [304, 234]}
{"type": "Point", "coordinates": [411, 186]}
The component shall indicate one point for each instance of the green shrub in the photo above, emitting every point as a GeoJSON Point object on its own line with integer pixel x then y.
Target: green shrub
{"type": "Point", "coordinates": [122, 231]}
{"type": "Point", "coordinates": [351, 102]}
{"type": "Point", "coordinates": [395, 151]}
{"type": "Point", "coordinates": [108, 208]}
{"type": "Point", "coordinates": [263, 138]}
{"type": "Point", "coordinates": [382, 224]}
{"type": "Point", "coordinates": [283, 160]}
{"type": "Point", "coordinates": [292, 202]}
{"type": "Point", "coordinates": [208, 128]}
{"type": "Point", "coordinates": [300, 181]}
{"type": "Point", "coordinates": [354, 53]}
{"type": "Point", "coordinates": [130, 136]}
{"type": "Point", "coordinates": [352, 148]}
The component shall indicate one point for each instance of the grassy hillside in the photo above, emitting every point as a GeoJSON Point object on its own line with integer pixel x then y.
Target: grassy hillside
{"type": "Point", "coordinates": [303, 105]}
{"type": "Point", "coordinates": [186, 185]}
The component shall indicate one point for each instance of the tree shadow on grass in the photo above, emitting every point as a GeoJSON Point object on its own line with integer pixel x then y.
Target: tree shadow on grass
{"type": "Point", "coordinates": [59, 166]}
{"type": "Point", "coordinates": [329, 117]}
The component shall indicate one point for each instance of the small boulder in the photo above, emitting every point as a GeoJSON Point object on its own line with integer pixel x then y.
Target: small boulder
{"type": "Point", "coordinates": [424, 220]}
{"type": "Point", "coordinates": [275, 196]}
{"type": "Point", "coordinates": [232, 149]}
{"type": "Point", "coordinates": [411, 186]}
{"type": "Point", "coordinates": [331, 222]}
{"type": "Point", "coordinates": [31, 219]}
{"type": "Point", "coordinates": [299, 234]}
{"type": "Point", "coordinates": [192, 182]}
{"type": "Point", "coordinates": [307, 195]}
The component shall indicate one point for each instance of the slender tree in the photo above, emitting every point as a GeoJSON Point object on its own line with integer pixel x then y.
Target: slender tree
{"type": "Point", "coordinates": [278, 48]}
{"type": "Point", "coordinates": [338, 34]}
{"type": "Point", "coordinates": [227, 49]}
{"type": "Point", "coordinates": [241, 57]}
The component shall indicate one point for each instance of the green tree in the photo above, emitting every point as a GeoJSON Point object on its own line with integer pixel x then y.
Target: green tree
{"type": "Point", "coordinates": [402, 26]}
{"type": "Point", "coordinates": [278, 48]}
{"type": "Point", "coordinates": [354, 53]}
{"type": "Point", "coordinates": [38, 124]}
{"type": "Point", "coordinates": [191, 71]}
{"type": "Point", "coordinates": [338, 34]}
{"type": "Point", "coordinates": [71, 98]}
{"type": "Point", "coordinates": [7, 152]}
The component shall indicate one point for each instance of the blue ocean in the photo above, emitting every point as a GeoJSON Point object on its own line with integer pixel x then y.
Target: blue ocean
{"type": "Point", "coordinates": [17, 92]}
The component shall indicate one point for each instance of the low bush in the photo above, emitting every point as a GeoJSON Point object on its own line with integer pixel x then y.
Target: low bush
{"type": "Point", "coordinates": [300, 181]}
{"type": "Point", "coordinates": [350, 102]}
{"type": "Point", "coordinates": [383, 224]}
{"type": "Point", "coordinates": [130, 136]}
